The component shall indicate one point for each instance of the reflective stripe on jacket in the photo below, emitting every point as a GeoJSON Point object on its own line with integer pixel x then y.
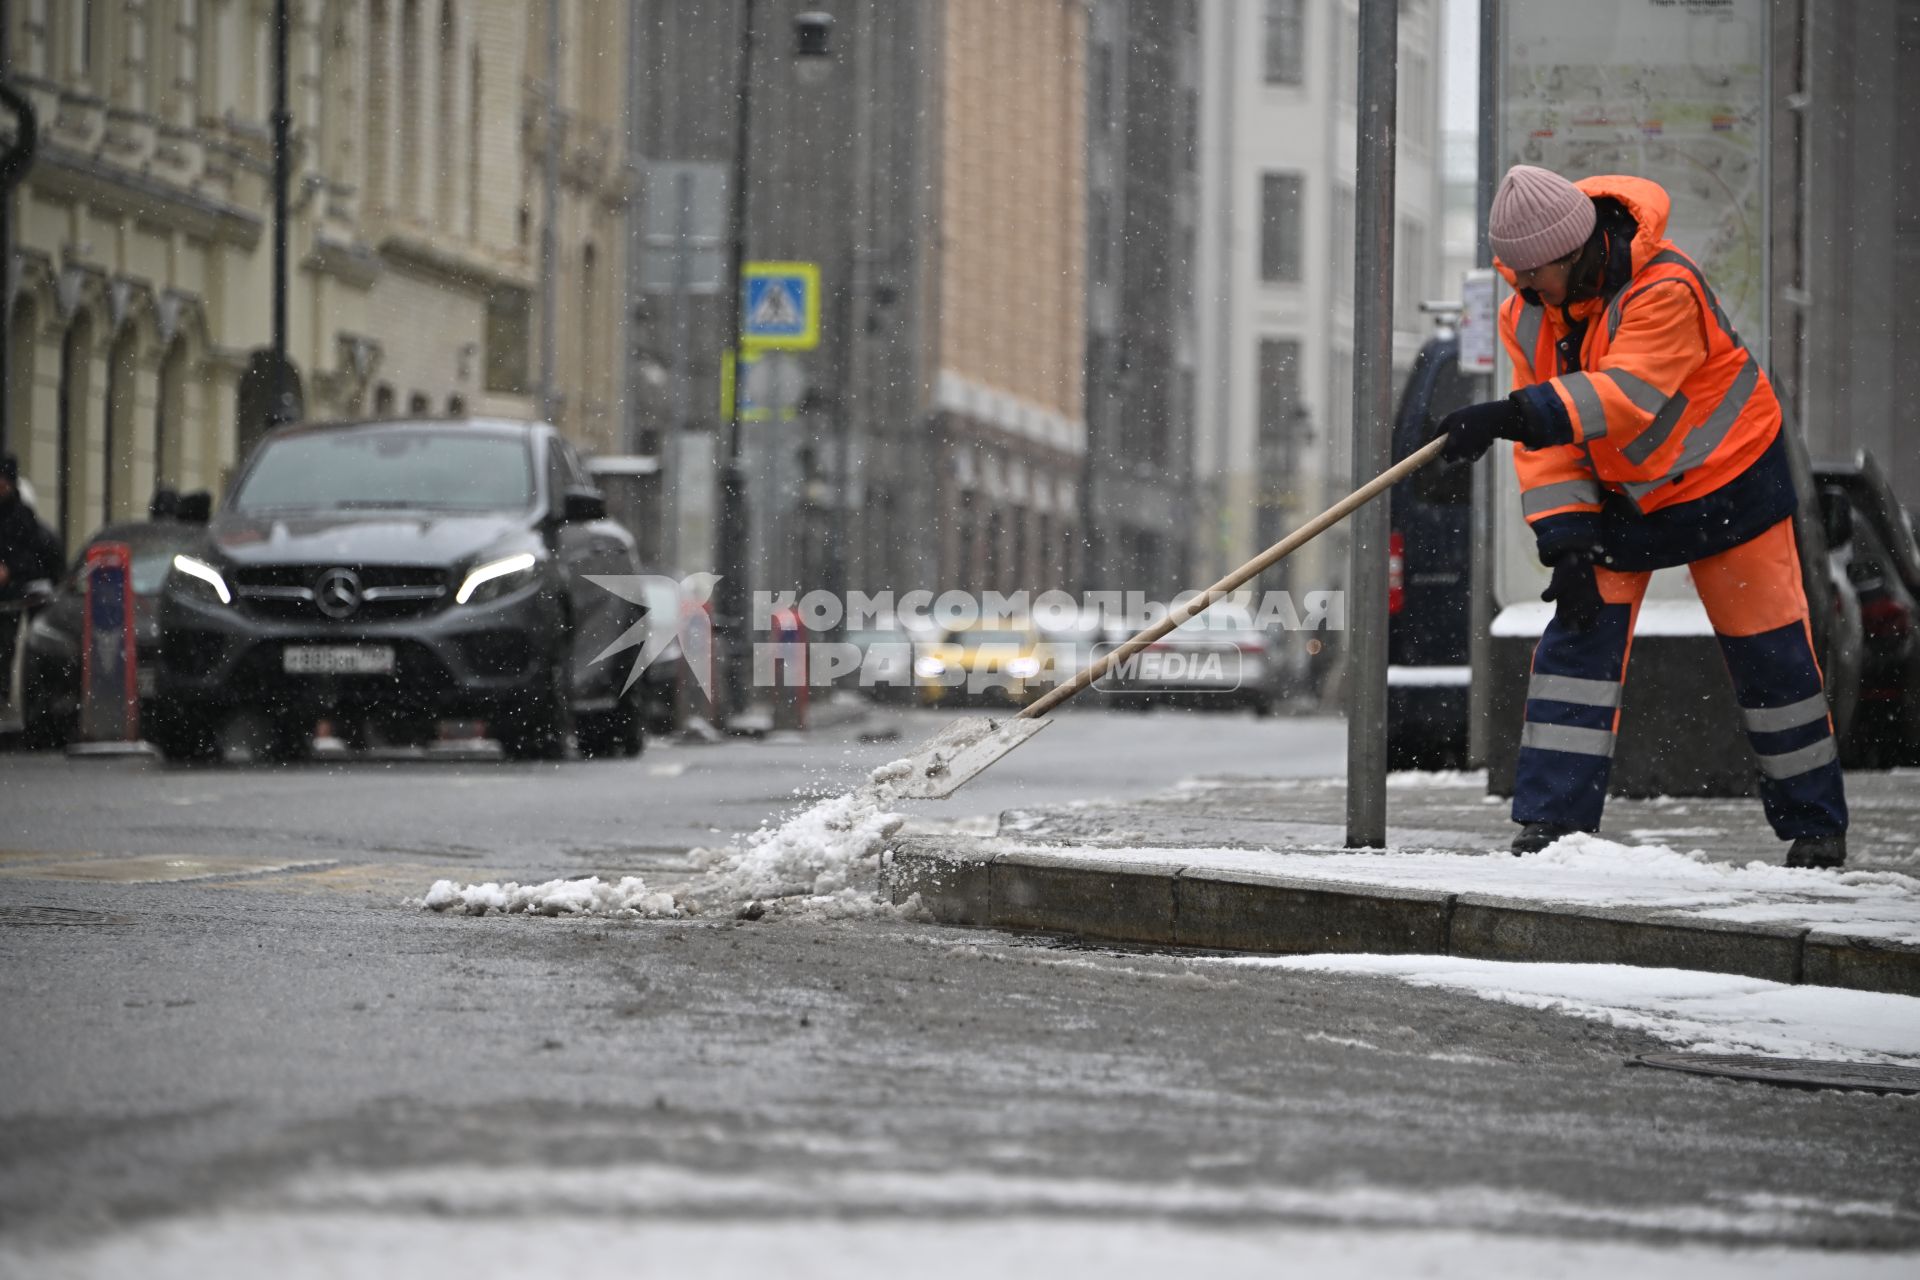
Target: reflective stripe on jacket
{"type": "Point", "coordinates": [1661, 404]}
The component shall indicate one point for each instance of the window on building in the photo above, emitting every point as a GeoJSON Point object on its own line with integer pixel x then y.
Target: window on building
{"type": "Point", "coordinates": [1281, 417]}
{"type": "Point", "coordinates": [476, 95]}
{"type": "Point", "coordinates": [407, 180]}
{"type": "Point", "coordinates": [170, 417]}
{"type": "Point", "coordinates": [383, 401]}
{"type": "Point", "coordinates": [379, 101]}
{"type": "Point", "coordinates": [1101, 82]}
{"type": "Point", "coordinates": [446, 184]}
{"type": "Point", "coordinates": [1280, 227]}
{"type": "Point", "coordinates": [1348, 56]}
{"type": "Point", "coordinates": [419, 405]}
{"type": "Point", "coordinates": [1099, 233]}
{"type": "Point", "coordinates": [1191, 141]}
{"type": "Point", "coordinates": [1410, 271]}
{"type": "Point", "coordinates": [1286, 41]}
{"type": "Point", "coordinates": [1415, 109]}
{"type": "Point", "coordinates": [509, 332]}
{"type": "Point", "coordinates": [77, 442]}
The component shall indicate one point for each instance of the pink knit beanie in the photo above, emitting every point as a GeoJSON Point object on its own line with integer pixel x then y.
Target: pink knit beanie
{"type": "Point", "coordinates": [1538, 216]}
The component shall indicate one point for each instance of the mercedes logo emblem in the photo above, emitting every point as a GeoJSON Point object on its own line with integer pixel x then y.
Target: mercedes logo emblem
{"type": "Point", "coordinates": [337, 593]}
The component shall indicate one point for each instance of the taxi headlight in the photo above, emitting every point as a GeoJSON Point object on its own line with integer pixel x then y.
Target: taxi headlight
{"type": "Point", "coordinates": [929, 668]}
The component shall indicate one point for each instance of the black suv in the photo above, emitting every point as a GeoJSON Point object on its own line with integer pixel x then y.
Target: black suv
{"type": "Point", "coordinates": [402, 572]}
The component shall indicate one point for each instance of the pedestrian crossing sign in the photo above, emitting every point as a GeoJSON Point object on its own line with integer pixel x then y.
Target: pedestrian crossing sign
{"type": "Point", "coordinates": [781, 306]}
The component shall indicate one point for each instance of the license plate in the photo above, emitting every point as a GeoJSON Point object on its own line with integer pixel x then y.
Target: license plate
{"type": "Point", "coordinates": [337, 660]}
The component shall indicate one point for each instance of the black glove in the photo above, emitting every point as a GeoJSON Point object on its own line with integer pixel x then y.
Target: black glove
{"type": "Point", "coordinates": [1575, 591]}
{"type": "Point", "coordinates": [1471, 431]}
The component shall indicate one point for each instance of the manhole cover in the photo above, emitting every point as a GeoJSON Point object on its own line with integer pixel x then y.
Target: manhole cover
{"type": "Point", "coordinates": [1804, 1073]}
{"type": "Point", "coordinates": [52, 915]}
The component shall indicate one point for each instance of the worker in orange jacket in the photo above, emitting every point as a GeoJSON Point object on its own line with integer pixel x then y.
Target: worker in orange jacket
{"type": "Point", "coordinates": [1646, 436]}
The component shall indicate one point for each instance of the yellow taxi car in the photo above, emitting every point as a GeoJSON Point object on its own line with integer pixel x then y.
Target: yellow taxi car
{"type": "Point", "coordinates": [991, 661]}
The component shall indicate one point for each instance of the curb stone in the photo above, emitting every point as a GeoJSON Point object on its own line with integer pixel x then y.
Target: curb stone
{"type": "Point", "coordinates": [966, 880]}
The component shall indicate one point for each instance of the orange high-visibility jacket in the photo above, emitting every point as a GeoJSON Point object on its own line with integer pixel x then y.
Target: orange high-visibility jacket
{"type": "Point", "coordinates": [1645, 392]}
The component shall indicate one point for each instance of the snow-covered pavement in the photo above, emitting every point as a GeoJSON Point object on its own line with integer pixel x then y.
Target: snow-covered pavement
{"type": "Point", "coordinates": [1702, 1012]}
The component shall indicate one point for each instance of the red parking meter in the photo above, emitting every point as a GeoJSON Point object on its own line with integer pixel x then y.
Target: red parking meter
{"type": "Point", "coordinates": [109, 678]}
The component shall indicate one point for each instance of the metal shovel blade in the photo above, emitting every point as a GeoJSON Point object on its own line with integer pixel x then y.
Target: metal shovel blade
{"type": "Point", "coordinates": [951, 758]}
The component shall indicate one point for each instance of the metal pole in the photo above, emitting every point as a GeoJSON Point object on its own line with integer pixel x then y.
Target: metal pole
{"type": "Point", "coordinates": [629, 312]}
{"type": "Point", "coordinates": [282, 404]}
{"type": "Point", "coordinates": [15, 161]}
{"type": "Point", "coordinates": [1480, 601]}
{"type": "Point", "coordinates": [682, 366]}
{"type": "Point", "coordinates": [1372, 414]}
{"type": "Point", "coordinates": [549, 223]}
{"type": "Point", "coordinates": [731, 594]}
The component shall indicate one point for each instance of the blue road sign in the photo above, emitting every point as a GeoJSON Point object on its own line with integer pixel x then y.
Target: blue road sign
{"type": "Point", "coordinates": [781, 302]}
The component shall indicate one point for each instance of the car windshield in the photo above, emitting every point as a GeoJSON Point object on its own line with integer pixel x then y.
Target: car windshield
{"type": "Point", "coordinates": [404, 467]}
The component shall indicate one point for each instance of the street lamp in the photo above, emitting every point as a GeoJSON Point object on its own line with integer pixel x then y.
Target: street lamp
{"type": "Point", "coordinates": [732, 596]}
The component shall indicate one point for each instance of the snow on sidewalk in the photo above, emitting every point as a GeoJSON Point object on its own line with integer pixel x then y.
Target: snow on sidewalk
{"type": "Point", "coordinates": [1703, 1012]}
{"type": "Point", "coordinates": [1586, 871]}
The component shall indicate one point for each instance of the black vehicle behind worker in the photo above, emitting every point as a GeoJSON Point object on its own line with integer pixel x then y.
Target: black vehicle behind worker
{"type": "Point", "coordinates": [1428, 670]}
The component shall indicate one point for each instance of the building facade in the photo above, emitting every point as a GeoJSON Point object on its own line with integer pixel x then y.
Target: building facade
{"type": "Point", "coordinates": [139, 291]}
{"type": "Point", "coordinates": [1143, 156]}
{"type": "Point", "coordinates": [1274, 292]}
{"type": "Point", "coordinates": [935, 437]}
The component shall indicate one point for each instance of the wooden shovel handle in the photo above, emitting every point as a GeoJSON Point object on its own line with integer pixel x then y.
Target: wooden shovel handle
{"type": "Point", "coordinates": [1240, 577]}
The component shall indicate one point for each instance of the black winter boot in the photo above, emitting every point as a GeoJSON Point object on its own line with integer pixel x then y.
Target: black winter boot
{"type": "Point", "coordinates": [1536, 836]}
{"type": "Point", "coordinates": [1824, 852]}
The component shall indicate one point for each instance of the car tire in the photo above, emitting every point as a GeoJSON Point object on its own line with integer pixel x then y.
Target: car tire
{"type": "Point", "coordinates": [42, 730]}
{"type": "Point", "coordinates": [606, 735]}
{"type": "Point", "coordinates": [183, 736]}
{"type": "Point", "coordinates": [537, 728]}
{"type": "Point", "coordinates": [289, 740]}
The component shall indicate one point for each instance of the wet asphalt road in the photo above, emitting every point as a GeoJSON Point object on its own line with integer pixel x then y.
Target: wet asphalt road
{"type": "Point", "coordinates": [298, 1045]}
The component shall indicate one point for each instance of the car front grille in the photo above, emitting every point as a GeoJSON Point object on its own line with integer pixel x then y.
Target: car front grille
{"type": "Point", "coordinates": [320, 593]}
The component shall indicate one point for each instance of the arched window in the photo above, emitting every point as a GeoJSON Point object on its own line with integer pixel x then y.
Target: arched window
{"type": "Point", "coordinates": [586, 328]}
{"type": "Point", "coordinates": [77, 518]}
{"type": "Point", "coordinates": [23, 339]}
{"type": "Point", "coordinates": [169, 418]}
{"type": "Point", "coordinates": [118, 470]}
{"type": "Point", "coordinates": [383, 401]}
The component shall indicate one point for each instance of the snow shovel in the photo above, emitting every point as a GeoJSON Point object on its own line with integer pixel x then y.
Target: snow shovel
{"type": "Point", "coordinates": [954, 756]}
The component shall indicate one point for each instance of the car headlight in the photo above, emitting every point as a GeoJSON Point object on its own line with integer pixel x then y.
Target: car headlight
{"type": "Point", "coordinates": [212, 583]}
{"type": "Point", "coordinates": [929, 668]}
{"type": "Point", "coordinates": [1023, 668]}
{"type": "Point", "coordinates": [495, 578]}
